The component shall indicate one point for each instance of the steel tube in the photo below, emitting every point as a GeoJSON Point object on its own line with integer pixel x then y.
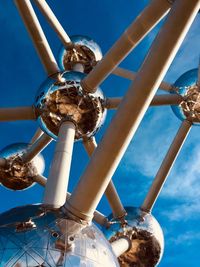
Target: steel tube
{"type": "Point", "coordinates": [40, 179]}
{"type": "Point", "coordinates": [166, 166]}
{"type": "Point", "coordinates": [35, 148]}
{"type": "Point", "coordinates": [110, 192]}
{"type": "Point", "coordinates": [140, 27]}
{"type": "Point", "coordinates": [158, 100]}
{"type": "Point", "coordinates": [121, 245]}
{"type": "Point", "coordinates": [170, 99]}
{"type": "Point", "coordinates": [112, 102]}
{"type": "Point", "coordinates": [130, 75]}
{"type": "Point", "coordinates": [101, 219]}
{"type": "Point", "coordinates": [18, 113]}
{"type": "Point", "coordinates": [57, 182]}
{"type": "Point", "coordinates": [41, 44]}
{"type": "Point", "coordinates": [124, 124]}
{"type": "Point", "coordinates": [37, 134]}
{"type": "Point", "coordinates": [53, 21]}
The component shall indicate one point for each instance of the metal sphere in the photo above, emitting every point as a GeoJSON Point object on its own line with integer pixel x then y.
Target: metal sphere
{"type": "Point", "coordinates": [60, 101]}
{"type": "Point", "coordinates": [17, 175]}
{"type": "Point", "coordinates": [33, 236]}
{"type": "Point", "coordinates": [84, 51]}
{"type": "Point", "coordinates": [146, 237]}
{"type": "Point", "coordinates": [189, 108]}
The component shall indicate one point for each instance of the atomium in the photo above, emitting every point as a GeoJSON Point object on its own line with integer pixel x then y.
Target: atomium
{"type": "Point", "coordinates": [48, 238]}
{"type": "Point", "coordinates": [147, 242]}
{"type": "Point", "coordinates": [70, 106]}
{"type": "Point", "coordinates": [60, 101]}
{"type": "Point", "coordinates": [16, 174]}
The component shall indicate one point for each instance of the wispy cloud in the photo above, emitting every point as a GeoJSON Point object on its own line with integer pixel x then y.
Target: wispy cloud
{"type": "Point", "coordinates": [185, 238]}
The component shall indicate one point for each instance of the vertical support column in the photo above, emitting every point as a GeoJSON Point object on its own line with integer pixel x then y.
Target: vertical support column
{"type": "Point", "coordinates": [166, 166]}
{"type": "Point", "coordinates": [108, 154]}
{"type": "Point", "coordinates": [57, 182]}
{"type": "Point", "coordinates": [41, 44]}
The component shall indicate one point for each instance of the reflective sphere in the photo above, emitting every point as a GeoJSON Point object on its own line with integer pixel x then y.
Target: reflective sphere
{"type": "Point", "coordinates": [85, 51]}
{"type": "Point", "coordinates": [17, 175]}
{"type": "Point", "coordinates": [60, 101]}
{"type": "Point", "coordinates": [32, 236]}
{"type": "Point", "coordinates": [145, 234]}
{"type": "Point", "coordinates": [186, 86]}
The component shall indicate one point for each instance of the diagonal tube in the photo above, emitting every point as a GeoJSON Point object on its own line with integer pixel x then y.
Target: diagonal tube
{"type": "Point", "coordinates": [53, 21]}
{"type": "Point", "coordinates": [40, 42]}
{"type": "Point", "coordinates": [124, 124]}
{"type": "Point", "coordinates": [111, 192]}
{"type": "Point", "coordinates": [140, 27]}
{"type": "Point", "coordinates": [35, 148]}
{"type": "Point", "coordinates": [166, 166]}
{"type": "Point", "coordinates": [57, 182]}
{"type": "Point", "coordinates": [37, 134]}
{"type": "Point", "coordinates": [130, 75]}
{"type": "Point", "coordinates": [18, 113]}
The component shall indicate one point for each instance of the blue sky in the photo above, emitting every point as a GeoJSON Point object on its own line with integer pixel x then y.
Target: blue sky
{"type": "Point", "coordinates": [178, 208]}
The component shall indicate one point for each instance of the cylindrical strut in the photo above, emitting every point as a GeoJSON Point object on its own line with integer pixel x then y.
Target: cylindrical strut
{"type": "Point", "coordinates": [111, 192]}
{"type": "Point", "coordinates": [121, 245]}
{"type": "Point", "coordinates": [130, 75]}
{"type": "Point", "coordinates": [41, 44]}
{"type": "Point", "coordinates": [166, 166]}
{"type": "Point", "coordinates": [53, 21]}
{"type": "Point", "coordinates": [140, 27]}
{"type": "Point", "coordinates": [108, 154]}
{"type": "Point", "coordinates": [57, 182]}
{"type": "Point", "coordinates": [35, 148]}
{"type": "Point", "coordinates": [18, 113]}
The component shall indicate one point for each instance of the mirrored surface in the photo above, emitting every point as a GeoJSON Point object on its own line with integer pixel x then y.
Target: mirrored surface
{"type": "Point", "coordinates": [146, 237]}
{"type": "Point", "coordinates": [34, 236]}
{"type": "Point", "coordinates": [60, 101]}
{"type": "Point", "coordinates": [85, 51]}
{"type": "Point", "coordinates": [17, 175]}
{"type": "Point", "coordinates": [186, 86]}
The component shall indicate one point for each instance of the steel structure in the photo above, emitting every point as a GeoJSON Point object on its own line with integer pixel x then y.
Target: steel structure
{"type": "Point", "coordinates": [70, 106]}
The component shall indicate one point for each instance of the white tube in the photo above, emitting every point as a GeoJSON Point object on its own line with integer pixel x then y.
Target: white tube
{"type": "Point", "coordinates": [40, 179]}
{"type": "Point", "coordinates": [18, 113]}
{"type": "Point", "coordinates": [57, 182]}
{"type": "Point", "coordinates": [35, 148]}
{"type": "Point", "coordinates": [130, 75]}
{"type": "Point", "coordinates": [53, 21]}
{"type": "Point", "coordinates": [41, 44]}
{"type": "Point", "coordinates": [140, 27]}
{"type": "Point", "coordinates": [110, 192]}
{"type": "Point", "coordinates": [166, 166]}
{"type": "Point", "coordinates": [120, 246]}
